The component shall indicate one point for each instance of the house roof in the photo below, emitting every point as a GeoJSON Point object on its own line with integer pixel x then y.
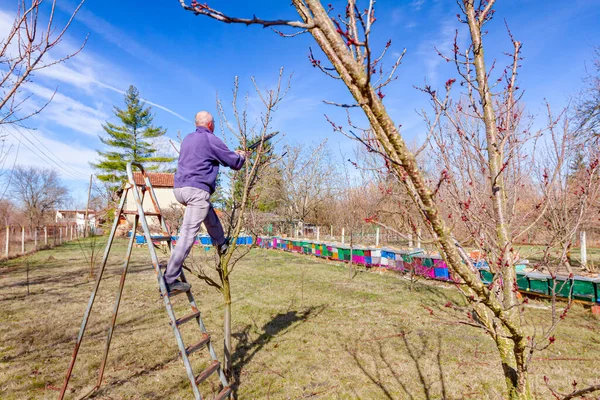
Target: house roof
{"type": "Point", "coordinates": [157, 179]}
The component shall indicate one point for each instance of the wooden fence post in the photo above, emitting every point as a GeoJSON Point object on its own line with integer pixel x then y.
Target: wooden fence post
{"type": "Point", "coordinates": [7, 239]}
{"type": "Point", "coordinates": [35, 238]}
{"type": "Point", "coordinates": [23, 239]}
{"type": "Point", "coordinates": [583, 247]}
{"type": "Point", "coordinates": [377, 237]}
{"type": "Point", "coordinates": [60, 235]}
{"type": "Point", "coordinates": [45, 235]}
{"type": "Point", "coordinates": [318, 234]}
{"type": "Point", "coordinates": [343, 234]}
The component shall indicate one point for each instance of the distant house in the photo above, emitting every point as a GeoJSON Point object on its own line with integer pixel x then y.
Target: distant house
{"type": "Point", "coordinates": [162, 183]}
{"type": "Point", "coordinates": [77, 216]}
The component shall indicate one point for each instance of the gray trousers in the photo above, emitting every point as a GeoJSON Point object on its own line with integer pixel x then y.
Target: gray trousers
{"type": "Point", "coordinates": [198, 209]}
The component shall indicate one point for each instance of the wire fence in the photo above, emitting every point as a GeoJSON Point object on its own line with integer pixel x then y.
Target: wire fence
{"type": "Point", "coordinates": [16, 240]}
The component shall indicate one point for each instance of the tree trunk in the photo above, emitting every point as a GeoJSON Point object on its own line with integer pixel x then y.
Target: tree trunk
{"type": "Point", "coordinates": [228, 351]}
{"type": "Point", "coordinates": [514, 368]}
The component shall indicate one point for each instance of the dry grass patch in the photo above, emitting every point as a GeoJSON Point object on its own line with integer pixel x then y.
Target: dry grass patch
{"type": "Point", "coordinates": [302, 330]}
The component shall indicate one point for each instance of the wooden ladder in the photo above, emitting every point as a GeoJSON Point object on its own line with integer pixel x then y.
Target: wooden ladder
{"type": "Point", "coordinates": [139, 192]}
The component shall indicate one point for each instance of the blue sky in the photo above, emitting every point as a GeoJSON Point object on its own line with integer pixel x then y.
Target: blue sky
{"type": "Point", "coordinates": [179, 62]}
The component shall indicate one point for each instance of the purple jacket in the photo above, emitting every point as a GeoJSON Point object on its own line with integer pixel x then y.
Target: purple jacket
{"type": "Point", "coordinates": [199, 158]}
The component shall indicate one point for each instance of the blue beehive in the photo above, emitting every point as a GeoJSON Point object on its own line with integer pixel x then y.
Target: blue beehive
{"type": "Point", "coordinates": [441, 273]}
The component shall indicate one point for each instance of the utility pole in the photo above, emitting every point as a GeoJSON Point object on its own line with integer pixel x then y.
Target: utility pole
{"type": "Point", "coordinates": [87, 207]}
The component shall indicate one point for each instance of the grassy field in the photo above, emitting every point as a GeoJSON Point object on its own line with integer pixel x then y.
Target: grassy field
{"type": "Point", "coordinates": [302, 330]}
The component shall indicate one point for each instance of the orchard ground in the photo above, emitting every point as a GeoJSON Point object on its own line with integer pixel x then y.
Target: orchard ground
{"type": "Point", "coordinates": [302, 329]}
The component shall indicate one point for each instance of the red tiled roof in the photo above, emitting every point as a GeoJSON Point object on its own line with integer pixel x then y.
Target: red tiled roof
{"type": "Point", "coordinates": [157, 179]}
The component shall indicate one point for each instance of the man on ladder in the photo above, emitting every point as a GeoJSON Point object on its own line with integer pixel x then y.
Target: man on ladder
{"type": "Point", "coordinates": [200, 155]}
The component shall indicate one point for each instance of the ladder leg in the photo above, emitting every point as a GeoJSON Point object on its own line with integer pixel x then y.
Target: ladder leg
{"type": "Point", "coordinates": [117, 302]}
{"type": "Point", "coordinates": [88, 310]}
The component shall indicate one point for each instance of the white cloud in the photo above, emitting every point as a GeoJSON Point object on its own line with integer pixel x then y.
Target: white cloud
{"type": "Point", "coordinates": [37, 150]}
{"type": "Point", "coordinates": [80, 109]}
{"type": "Point", "coordinates": [87, 71]}
{"type": "Point", "coordinates": [122, 39]}
{"type": "Point", "coordinates": [417, 4]}
{"type": "Point", "coordinates": [443, 42]}
{"type": "Point", "coordinates": [114, 89]}
{"type": "Point", "coordinates": [64, 110]}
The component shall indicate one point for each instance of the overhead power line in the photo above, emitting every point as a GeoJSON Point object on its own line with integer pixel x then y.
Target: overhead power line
{"type": "Point", "coordinates": [43, 156]}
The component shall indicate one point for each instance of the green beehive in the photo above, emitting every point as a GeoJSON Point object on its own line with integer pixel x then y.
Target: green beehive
{"type": "Point", "coordinates": [584, 289]}
{"type": "Point", "coordinates": [344, 253]}
{"type": "Point", "coordinates": [562, 288]}
{"type": "Point", "coordinates": [486, 276]}
{"type": "Point", "coordinates": [522, 281]}
{"type": "Point", "coordinates": [306, 247]}
{"type": "Point", "coordinates": [538, 283]}
{"type": "Point", "coordinates": [427, 262]}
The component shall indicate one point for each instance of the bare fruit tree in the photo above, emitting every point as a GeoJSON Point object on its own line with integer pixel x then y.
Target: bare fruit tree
{"type": "Point", "coordinates": [345, 40]}
{"type": "Point", "coordinates": [241, 197]}
{"type": "Point", "coordinates": [587, 104]}
{"type": "Point", "coordinates": [307, 173]}
{"type": "Point", "coordinates": [27, 48]}
{"type": "Point", "coordinates": [38, 192]}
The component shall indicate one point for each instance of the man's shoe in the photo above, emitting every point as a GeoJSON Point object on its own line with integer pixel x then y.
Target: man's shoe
{"type": "Point", "coordinates": [178, 287]}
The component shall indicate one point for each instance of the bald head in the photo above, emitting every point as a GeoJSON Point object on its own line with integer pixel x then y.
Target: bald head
{"type": "Point", "coordinates": [205, 119]}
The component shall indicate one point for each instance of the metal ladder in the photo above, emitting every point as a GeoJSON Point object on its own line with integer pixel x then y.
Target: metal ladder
{"type": "Point", "coordinates": [139, 193]}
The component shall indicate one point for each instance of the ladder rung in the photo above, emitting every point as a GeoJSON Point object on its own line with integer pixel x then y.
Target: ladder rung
{"type": "Point", "coordinates": [173, 294]}
{"type": "Point", "coordinates": [207, 372]}
{"type": "Point", "coordinates": [146, 213]}
{"type": "Point", "coordinates": [187, 318]}
{"type": "Point", "coordinates": [205, 339]}
{"type": "Point", "coordinates": [223, 393]}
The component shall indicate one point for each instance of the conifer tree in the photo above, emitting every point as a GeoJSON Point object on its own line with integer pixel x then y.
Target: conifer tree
{"type": "Point", "coordinates": [129, 141]}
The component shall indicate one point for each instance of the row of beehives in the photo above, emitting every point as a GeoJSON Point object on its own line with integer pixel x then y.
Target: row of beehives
{"type": "Point", "coordinates": [430, 266]}
{"type": "Point", "coordinates": [204, 240]}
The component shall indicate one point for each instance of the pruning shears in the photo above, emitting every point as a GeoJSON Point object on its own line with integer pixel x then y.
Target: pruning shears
{"type": "Point", "coordinates": [264, 139]}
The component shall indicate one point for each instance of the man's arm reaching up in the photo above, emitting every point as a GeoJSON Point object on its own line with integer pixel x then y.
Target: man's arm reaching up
{"type": "Point", "coordinates": [226, 157]}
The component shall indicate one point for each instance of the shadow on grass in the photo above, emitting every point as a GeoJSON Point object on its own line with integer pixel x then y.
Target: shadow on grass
{"type": "Point", "coordinates": [418, 351]}
{"type": "Point", "coordinates": [144, 372]}
{"type": "Point", "coordinates": [279, 325]}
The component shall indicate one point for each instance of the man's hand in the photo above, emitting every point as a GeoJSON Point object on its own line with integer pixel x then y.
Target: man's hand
{"type": "Point", "coordinates": [242, 153]}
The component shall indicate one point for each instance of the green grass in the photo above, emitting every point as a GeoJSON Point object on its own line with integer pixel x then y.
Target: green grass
{"type": "Point", "coordinates": [302, 330]}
